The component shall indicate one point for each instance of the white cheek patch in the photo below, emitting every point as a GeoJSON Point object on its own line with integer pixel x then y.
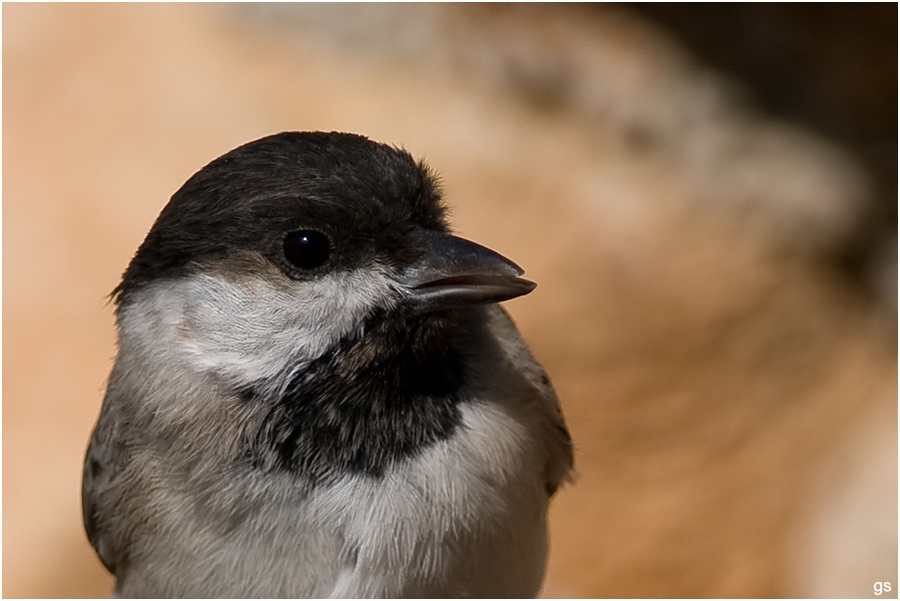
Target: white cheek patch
{"type": "Point", "coordinates": [247, 328]}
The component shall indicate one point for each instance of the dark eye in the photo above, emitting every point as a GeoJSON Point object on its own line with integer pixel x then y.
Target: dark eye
{"type": "Point", "coordinates": [306, 249]}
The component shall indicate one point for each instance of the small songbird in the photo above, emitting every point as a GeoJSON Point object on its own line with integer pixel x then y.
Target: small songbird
{"type": "Point", "coordinates": [316, 393]}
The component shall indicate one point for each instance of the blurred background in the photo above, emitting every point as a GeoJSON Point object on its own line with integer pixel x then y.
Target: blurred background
{"type": "Point", "coordinates": [707, 197]}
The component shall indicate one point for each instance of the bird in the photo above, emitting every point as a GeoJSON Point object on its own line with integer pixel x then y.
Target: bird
{"type": "Point", "coordinates": [316, 392]}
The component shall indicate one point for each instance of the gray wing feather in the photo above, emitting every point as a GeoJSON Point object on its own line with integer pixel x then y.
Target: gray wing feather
{"type": "Point", "coordinates": [105, 460]}
{"type": "Point", "coordinates": [556, 435]}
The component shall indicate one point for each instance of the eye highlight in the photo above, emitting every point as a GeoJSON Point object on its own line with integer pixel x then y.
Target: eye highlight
{"type": "Point", "coordinates": [306, 249]}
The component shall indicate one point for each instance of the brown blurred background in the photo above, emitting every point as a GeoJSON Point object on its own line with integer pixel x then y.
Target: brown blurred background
{"type": "Point", "coordinates": [706, 196]}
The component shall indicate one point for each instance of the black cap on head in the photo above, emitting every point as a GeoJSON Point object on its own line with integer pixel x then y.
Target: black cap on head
{"type": "Point", "coordinates": [362, 195]}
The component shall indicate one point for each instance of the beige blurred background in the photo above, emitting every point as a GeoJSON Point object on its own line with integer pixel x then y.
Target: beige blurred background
{"type": "Point", "coordinates": [717, 277]}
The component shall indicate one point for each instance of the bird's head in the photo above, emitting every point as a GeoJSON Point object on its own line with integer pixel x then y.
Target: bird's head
{"type": "Point", "coordinates": [274, 252]}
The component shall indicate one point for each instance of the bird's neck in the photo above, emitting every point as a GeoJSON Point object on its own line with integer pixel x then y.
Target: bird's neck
{"type": "Point", "coordinates": [381, 394]}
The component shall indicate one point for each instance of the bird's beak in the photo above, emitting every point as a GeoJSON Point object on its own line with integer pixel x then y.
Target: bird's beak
{"type": "Point", "coordinates": [454, 271]}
